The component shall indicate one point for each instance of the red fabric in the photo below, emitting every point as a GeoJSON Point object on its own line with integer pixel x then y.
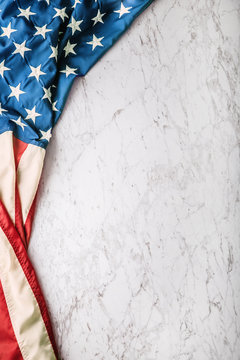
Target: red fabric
{"type": "Point", "coordinates": [18, 236]}
{"type": "Point", "coordinates": [18, 218]}
{"type": "Point", "coordinates": [29, 221]}
{"type": "Point", "coordinates": [18, 147]}
{"type": "Point", "coordinates": [21, 253]}
{"type": "Point", "coordinates": [9, 349]}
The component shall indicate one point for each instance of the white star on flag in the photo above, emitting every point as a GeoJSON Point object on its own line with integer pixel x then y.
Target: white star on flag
{"type": "Point", "coordinates": [26, 12]}
{"type": "Point", "coordinates": [36, 71]}
{"type": "Point", "coordinates": [95, 42]}
{"type": "Point", "coordinates": [19, 122]}
{"type": "Point", "coordinates": [54, 53]}
{"type": "Point", "coordinates": [68, 71]}
{"type": "Point", "coordinates": [1, 109]}
{"type": "Point", "coordinates": [42, 30]}
{"type": "Point", "coordinates": [69, 48]}
{"type": "Point", "coordinates": [123, 10]}
{"type": "Point", "coordinates": [16, 91]}
{"type": "Point", "coordinates": [46, 135]}
{"type": "Point", "coordinates": [21, 48]}
{"type": "Point", "coordinates": [7, 30]}
{"type": "Point", "coordinates": [54, 106]}
{"type": "Point", "coordinates": [61, 13]}
{"type": "Point", "coordinates": [47, 93]}
{"type": "Point", "coordinates": [98, 18]}
{"type": "Point", "coordinates": [74, 25]}
{"type": "Point", "coordinates": [32, 114]}
{"type": "Point", "coordinates": [76, 2]}
{"type": "Point", "coordinates": [3, 68]}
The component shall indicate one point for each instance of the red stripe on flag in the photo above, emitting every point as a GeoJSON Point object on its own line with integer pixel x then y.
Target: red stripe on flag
{"type": "Point", "coordinates": [9, 349]}
{"type": "Point", "coordinates": [21, 253]}
{"type": "Point", "coordinates": [18, 218]}
{"type": "Point", "coordinates": [18, 147]}
{"type": "Point", "coordinates": [29, 220]}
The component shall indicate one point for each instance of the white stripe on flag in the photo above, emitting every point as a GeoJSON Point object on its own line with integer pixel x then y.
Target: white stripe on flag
{"type": "Point", "coordinates": [24, 311]}
{"type": "Point", "coordinates": [7, 173]}
{"type": "Point", "coordinates": [28, 176]}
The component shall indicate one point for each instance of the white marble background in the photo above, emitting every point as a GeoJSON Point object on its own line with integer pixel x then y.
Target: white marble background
{"type": "Point", "coordinates": [136, 239]}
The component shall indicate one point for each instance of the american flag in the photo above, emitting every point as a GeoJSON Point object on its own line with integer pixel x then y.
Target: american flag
{"type": "Point", "coordinates": [44, 46]}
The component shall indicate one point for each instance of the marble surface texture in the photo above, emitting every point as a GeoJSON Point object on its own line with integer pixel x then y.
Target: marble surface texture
{"type": "Point", "coordinates": [136, 239]}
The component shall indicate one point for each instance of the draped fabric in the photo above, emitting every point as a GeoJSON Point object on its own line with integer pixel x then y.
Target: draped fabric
{"type": "Point", "coordinates": [44, 46]}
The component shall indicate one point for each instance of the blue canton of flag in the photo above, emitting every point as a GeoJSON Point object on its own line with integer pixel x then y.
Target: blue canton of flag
{"type": "Point", "coordinates": [44, 45]}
